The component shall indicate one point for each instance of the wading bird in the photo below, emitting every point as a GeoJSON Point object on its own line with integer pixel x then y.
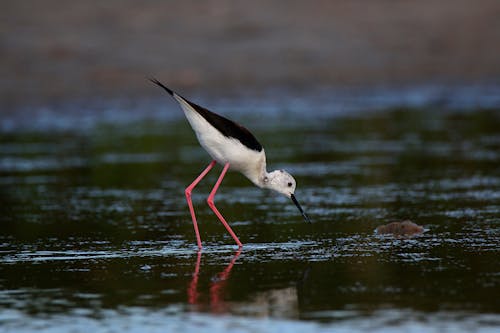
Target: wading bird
{"type": "Point", "coordinates": [232, 146]}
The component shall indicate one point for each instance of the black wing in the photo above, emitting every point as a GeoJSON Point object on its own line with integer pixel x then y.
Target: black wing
{"type": "Point", "coordinates": [227, 127]}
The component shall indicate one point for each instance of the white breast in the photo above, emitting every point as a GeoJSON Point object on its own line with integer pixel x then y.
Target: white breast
{"type": "Point", "coordinates": [224, 149]}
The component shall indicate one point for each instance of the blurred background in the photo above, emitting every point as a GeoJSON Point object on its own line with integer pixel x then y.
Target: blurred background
{"type": "Point", "coordinates": [56, 50]}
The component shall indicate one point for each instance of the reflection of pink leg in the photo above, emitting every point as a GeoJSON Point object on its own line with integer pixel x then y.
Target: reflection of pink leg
{"type": "Point", "coordinates": [188, 191]}
{"type": "Point", "coordinates": [217, 287]}
{"type": "Point", "coordinates": [192, 292]}
{"type": "Point", "coordinates": [211, 203]}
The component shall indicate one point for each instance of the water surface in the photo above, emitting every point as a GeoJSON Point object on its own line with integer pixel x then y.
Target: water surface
{"type": "Point", "coordinates": [96, 234]}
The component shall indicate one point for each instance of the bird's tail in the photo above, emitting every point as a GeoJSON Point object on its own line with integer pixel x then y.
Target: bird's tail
{"type": "Point", "coordinates": [155, 81]}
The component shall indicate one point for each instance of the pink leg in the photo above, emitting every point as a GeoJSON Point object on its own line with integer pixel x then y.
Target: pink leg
{"type": "Point", "coordinates": [188, 191]}
{"type": "Point", "coordinates": [211, 203]}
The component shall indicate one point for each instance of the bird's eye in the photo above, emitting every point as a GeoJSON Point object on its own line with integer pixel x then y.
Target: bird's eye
{"type": "Point", "coordinates": [289, 184]}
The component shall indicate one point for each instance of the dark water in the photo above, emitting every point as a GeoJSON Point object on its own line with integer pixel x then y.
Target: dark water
{"type": "Point", "coordinates": [95, 233]}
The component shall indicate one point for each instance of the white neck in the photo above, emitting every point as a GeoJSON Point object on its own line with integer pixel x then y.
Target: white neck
{"type": "Point", "coordinates": [277, 180]}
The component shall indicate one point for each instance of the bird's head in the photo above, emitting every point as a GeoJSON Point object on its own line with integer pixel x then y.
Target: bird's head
{"type": "Point", "coordinates": [283, 182]}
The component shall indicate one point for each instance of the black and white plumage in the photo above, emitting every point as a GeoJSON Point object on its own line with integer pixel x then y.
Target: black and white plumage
{"type": "Point", "coordinates": [232, 145]}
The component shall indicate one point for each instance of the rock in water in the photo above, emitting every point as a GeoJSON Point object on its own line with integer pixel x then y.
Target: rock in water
{"type": "Point", "coordinates": [400, 229]}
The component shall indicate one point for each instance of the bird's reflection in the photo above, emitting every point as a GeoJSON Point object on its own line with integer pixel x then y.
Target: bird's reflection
{"type": "Point", "coordinates": [217, 285]}
{"type": "Point", "coordinates": [192, 289]}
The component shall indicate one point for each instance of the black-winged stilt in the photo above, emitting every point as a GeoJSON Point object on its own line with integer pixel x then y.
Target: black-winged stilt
{"type": "Point", "coordinates": [230, 145]}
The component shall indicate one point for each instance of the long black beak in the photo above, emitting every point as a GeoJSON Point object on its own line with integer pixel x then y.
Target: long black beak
{"type": "Point", "coordinates": [300, 208]}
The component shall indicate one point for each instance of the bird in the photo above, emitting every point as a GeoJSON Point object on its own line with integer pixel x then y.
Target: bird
{"type": "Point", "coordinates": [234, 147]}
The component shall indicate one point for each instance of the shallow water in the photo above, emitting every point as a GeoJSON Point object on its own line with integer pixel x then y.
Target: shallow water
{"type": "Point", "coordinates": [96, 234]}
